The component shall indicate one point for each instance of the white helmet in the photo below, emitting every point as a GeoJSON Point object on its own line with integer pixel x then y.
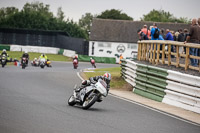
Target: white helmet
{"type": "Point", "coordinates": [4, 50]}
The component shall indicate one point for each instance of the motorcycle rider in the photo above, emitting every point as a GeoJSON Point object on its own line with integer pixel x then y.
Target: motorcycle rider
{"type": "Point", "coordinates": [75, 58]}
{"type": "Point", "coordinates": [26, 55]}
{"type": "Point", "coordinates": [43, 56]}
{"type": "Point", "coordinates": [106, 77]}
{"type": "Point", "coordinates": [4, 53]}
{"type": "Point", "coordinates": [92, 62]}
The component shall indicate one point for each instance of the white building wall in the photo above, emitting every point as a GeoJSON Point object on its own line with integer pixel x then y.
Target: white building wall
{"type": "Point", "coordinates": [111, 49]}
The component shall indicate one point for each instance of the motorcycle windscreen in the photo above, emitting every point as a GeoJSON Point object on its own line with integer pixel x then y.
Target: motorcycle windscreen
{"type": "Point", "coordinates": [101, 86]}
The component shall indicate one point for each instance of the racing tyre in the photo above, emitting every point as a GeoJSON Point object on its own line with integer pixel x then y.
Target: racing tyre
{"type": "Point", "coordinates": [89, 101]}
{"type": "Point", "coordinates": [71, 100]}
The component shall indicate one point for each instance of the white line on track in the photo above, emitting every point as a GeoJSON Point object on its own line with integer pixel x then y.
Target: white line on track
{"type": "Point", "coordinates": [170, 115]}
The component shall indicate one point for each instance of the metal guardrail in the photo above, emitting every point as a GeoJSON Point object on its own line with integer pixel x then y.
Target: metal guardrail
{"type": "Point", "coordinates": [155, 52]}
{"type": "Point", "coordinates": [174, 88]}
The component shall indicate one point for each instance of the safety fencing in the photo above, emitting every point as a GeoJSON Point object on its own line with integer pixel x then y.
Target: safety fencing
{"type": "Point", "coordinates": [51, 50]}
{"type": "Point", "coordinates": [37, 49]}
{"type": "Point", "coordinates": [7, 47]}
{"type": "Point", "coordinates": [97, 59]}
{"type": "Point", "coordinates": [159, 51]}
{"type": "Point", "coordinates": [170, 87]}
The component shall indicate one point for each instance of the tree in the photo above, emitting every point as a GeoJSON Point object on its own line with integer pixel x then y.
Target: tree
{"type": "Point", "coordinates": [85, 21]}
{"type": "Point", "coordinates": [162, 16]}
{"type": "Point", "coordinates": [5, 12]}
{"type": "Point", "coordinates": [60, 14]}
{"type": "Point", "coordinates": [38, 16]}
{"type": "Point", "coordinates": [114, 14]}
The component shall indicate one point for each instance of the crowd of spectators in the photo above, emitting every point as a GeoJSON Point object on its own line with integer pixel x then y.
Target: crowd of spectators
{"type": "Point", "coordinates": [182, 35]}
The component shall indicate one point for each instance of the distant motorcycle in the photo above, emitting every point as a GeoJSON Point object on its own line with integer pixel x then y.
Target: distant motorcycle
{"type": "Point", "coordinates": [42, 62]}
{"type": "Point", "coordinates": [3, 60]}
{"type": "Point", "coordinates": [93, 63]}
{"type": "Point", "coordinates": [23, 62]}
{"type": "Point", "coordinates": [48, 63]}
{"type": "Point", "coordinates": [35, 63]}
{"type": "Point", "coordinates": [87, 96]}
{"type": "Point", "coordinates": [75, 63]}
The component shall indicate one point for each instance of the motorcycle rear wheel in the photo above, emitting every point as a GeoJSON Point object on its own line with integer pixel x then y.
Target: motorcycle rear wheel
{"type": "Point", "coordinates": [89, 101]}
{"type": "Point", "coordinates": [71, 100]}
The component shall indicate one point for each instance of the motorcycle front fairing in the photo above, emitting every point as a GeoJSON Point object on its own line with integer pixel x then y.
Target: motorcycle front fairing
{"type": "Point", "coordinates": [85, 91]}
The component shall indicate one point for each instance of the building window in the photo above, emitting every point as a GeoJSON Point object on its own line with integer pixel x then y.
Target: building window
{"type": "Point", "coordinates": [132, 46]}
{"type": "Point", "coordinates": [100, 44]}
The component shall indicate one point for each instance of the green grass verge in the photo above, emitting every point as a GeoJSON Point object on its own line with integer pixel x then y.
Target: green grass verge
{"type": "Point", "coordinates": [117, 82]}
{"type": "Point", "coordinates": [52, 57]}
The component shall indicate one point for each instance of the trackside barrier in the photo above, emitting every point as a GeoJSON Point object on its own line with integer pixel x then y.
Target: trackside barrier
{"type": "Point", "coordinates": [69, 53]}
{"type": "Point", "coordinates": [46, 50]}
{"type": "Point", "coordinates": [97, 59]}
{"type": "Point", "coordinates": [170, 87]}
{"type": "Point", "coordinates": [7, 47]}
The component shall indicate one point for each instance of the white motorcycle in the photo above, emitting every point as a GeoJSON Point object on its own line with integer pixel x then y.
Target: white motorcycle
{"type": "Point", "coordinates": [89, 95]}
{"type": "Point", "coordinates": [3, 60]}
{"type": "Point", "coordinates": [42, 62]}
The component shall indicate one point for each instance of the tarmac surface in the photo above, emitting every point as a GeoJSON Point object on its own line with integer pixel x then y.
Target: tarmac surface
{"type": "Point", "coordinates": [34, 100]}
{"type": "Point", "coordinates": [161, 107]}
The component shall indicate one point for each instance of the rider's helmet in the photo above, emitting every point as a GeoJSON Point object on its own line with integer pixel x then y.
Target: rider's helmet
{"type": "Point", "coordinates": [107, 77]}
{"type": "Point", "coordinates": [25, 52]}
{"type": "Point", "coordinates": [35, 58]}
{"type": "Point", "coordinates": [4, 50]}
{"type": "Point", "coordinates": [43, 55]}
{"type": "Point", "coordinates": [90, 58]}
{"type": "Point", "coordinates": [76, 57]}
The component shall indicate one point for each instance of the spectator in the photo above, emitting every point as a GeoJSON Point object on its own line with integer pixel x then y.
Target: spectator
{"type": "Point", "coordinates": [181, 36]}
{"type": "Point", "coordinates": [176, 36]}
{"type": "Point", "coordinates": [142, 36]}
{"type": "Point", "coordinates": [169, 37]}
{"type": "Point", "coordinates": [193, 37]}
{"type": "Point", "coordinates": [181, 39]}
{"type": "Point", "coordinates": [185, 36]}
{"type": "Point", "coordinates": [146, 31]}
{"type": "Point", "coordinates": [120, 58]}
{"type": "Point", "coordinates": [199, 37]}
{"type": "Point", "coordinates": [163, 32]}
{"type": "Point", "coordinates": [173, 34]}
{"type": "Point", "coordinates": [155, 32]}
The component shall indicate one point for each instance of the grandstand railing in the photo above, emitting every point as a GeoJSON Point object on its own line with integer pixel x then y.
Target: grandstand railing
{"type": "Point", "coordinates": [159, 52]}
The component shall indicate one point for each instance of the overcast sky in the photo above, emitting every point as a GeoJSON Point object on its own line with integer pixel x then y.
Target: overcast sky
{"type": "Point", "coordinates": [74, 9]}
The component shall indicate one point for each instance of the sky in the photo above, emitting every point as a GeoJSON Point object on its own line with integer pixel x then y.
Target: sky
{"type": "Point", "coordinates": [74, 9]}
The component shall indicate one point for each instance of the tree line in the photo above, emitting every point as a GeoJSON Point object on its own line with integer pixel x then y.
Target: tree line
{"type": "Point", "coordinates": [37, 16]}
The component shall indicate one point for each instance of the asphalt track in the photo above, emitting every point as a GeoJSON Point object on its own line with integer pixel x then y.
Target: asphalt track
{"type": "Point", "coordinates": [34, 100]}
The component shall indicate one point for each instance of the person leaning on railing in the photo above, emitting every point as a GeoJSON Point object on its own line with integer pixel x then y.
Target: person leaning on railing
{"type": "Point", "coordinates": [198, 54]}
{"type": "Point", "coordinates": [193, 37]}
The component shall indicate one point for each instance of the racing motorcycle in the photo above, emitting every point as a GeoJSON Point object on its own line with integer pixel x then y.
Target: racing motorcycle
{"type": "Point", "coordinates": [75, 63]}
{"type": "Point", "coordinates": [93, 63]}
{"type": "Point", "coordinates": [3, 60]}
{"type": "Point", "coordinates": [48, 63]}
{"type": "Point", "coordinates": [87, 96]}
{"type": "Point", "coordinates": [24, 60]}
{"type": "Point", "coordinates": [35, 63]}
{"type": "Point", "coordinates": [42, 62]}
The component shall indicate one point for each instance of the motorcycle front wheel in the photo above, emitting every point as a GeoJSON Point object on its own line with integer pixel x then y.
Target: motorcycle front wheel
{"type": "Point", "coordinates": [89, 101]}
{"type": "Point", "coordinates": [23, 66]}
{"type": "Point", "coordinates": [71, 100]}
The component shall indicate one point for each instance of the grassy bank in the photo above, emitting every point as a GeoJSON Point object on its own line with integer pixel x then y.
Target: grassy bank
{"type": "Point", "coordinates": [117, 82]}
{"type": "Point", "coordinates": [52, 57]}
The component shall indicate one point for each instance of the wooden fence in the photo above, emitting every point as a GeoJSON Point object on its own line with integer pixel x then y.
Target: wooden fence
{"type": "Point", "coordinates": [159, 51]}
